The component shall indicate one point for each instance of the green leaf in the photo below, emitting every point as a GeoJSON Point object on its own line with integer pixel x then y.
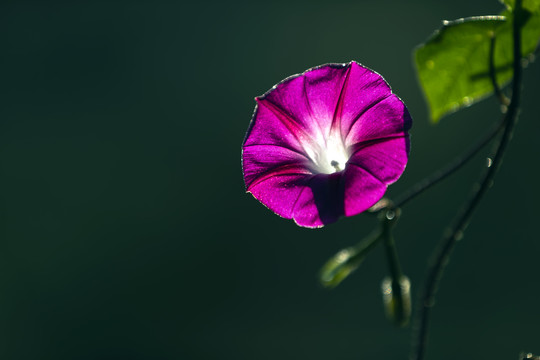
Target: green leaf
{"type": "Point", "coordinates": [530, 5]}
{"type": "Point", "coordinates": [453, 65]}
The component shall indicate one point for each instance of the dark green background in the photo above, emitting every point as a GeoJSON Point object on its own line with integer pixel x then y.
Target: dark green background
{"type": "Point", "coordinates": [125, 229]}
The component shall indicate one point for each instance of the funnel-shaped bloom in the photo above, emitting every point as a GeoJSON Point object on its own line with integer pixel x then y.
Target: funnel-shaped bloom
{"type": "Point", "coordinates": [325, 144]}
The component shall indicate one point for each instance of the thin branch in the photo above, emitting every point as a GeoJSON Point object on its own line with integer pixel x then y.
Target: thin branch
{"type": "Point", "coordinates": [455, 165]}
{"type": "Point", "coordinates": [448, 241]}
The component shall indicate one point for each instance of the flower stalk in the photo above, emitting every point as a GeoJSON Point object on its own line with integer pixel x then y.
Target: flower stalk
{"type": "Point", "coordinates": [396, 287]}
{"type": "Point", "coordinates": [451, 168]}
{"type": "Point", "coordinates": [389, 219]}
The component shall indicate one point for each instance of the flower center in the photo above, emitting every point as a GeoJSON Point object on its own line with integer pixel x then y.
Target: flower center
{"type": "Point", "coordinates": [328, 155]}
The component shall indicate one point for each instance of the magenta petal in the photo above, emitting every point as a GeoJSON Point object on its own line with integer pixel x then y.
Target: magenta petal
{"type": "Point", "coordinates": [291, 97]}
{"type": "Point", "coordinates": [364, 89]}
{"type": "Point", "coordinates": [311, 98]}
{"type": "Point", "coordinates": [385, 160]}
{"type": "Point", "coordinates": [280, 192]}
{"type": "Point", "coordinates": [326, 144]}
{"type": "Point", "coordinates": [312, 201]}
{"type": "Point", "coordinates": [271, 129]}
{"type": "Point", "coordinates": [362, 190]}
{"type": "Point", "coordinates": [260, 161]}
{"type": "Point", "coordinates": [324, 86]}
{"type": "Point", "coordinates": [387, 118]}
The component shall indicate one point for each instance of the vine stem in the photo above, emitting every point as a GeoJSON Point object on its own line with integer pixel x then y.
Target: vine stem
{"type": "Point", "coordinates": [493, 74]}
{"type": "Point", "coordinates": [454, 234]}
{"type": "Point", "coordinates": [455, 165]}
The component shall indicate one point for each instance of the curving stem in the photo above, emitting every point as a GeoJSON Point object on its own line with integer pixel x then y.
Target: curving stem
{"type": "Point", "coordinates": [443, 252]}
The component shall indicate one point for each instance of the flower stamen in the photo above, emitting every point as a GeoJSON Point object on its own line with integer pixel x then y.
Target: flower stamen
{"type": "Point", "coordinates": [336, 166]}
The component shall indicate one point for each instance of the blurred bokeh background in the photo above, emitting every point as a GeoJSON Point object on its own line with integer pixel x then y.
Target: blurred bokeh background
{"type": "Point", "coordinates": [125, 231]}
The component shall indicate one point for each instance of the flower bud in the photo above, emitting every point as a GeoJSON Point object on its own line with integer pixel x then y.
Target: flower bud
{"type": "Point", "coordinates": [397, 299]}
{"type": "Point", "coordinates": [346, 261]}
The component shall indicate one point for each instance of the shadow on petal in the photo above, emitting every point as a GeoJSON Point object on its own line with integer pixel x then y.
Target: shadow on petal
{"type": "Point", "coordinates": [329, 196]}
{"type": "Point", "coordinates": [407, 124]}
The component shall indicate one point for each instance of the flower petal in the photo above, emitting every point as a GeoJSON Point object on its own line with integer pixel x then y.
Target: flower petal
{"type": "Point", "coordinates": [365, 88]}
{"type": "Point", "coordinates": [384, 159]}
{"type": "Point", "coordinates": [267, 127]}
{"type": "Point", "coordinates": [313, 98]}
{"type": "Point", "coordinates": [260, 161]}
{"type": "Point", "coordinates": [290, 96]}
{"type": "Point", "coordinates": [386, 118]}
{"type": "Point", "coordinates": [362, 190]}
{"type": "Point", "coordinates": [280, 192]}
{"type": "Point", "coordinates": [324, 86]}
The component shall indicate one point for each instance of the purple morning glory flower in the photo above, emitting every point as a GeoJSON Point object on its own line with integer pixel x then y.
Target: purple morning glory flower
{"type": "Point", "coordinates": [325, 144]}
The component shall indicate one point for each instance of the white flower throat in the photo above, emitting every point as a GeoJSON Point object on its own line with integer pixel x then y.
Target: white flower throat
{"type": "Point", "coordinates": [328, 155]}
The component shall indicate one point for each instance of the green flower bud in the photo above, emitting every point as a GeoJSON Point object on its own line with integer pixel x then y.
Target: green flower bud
{"type": "Point", "coordinates": [397, 300]}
